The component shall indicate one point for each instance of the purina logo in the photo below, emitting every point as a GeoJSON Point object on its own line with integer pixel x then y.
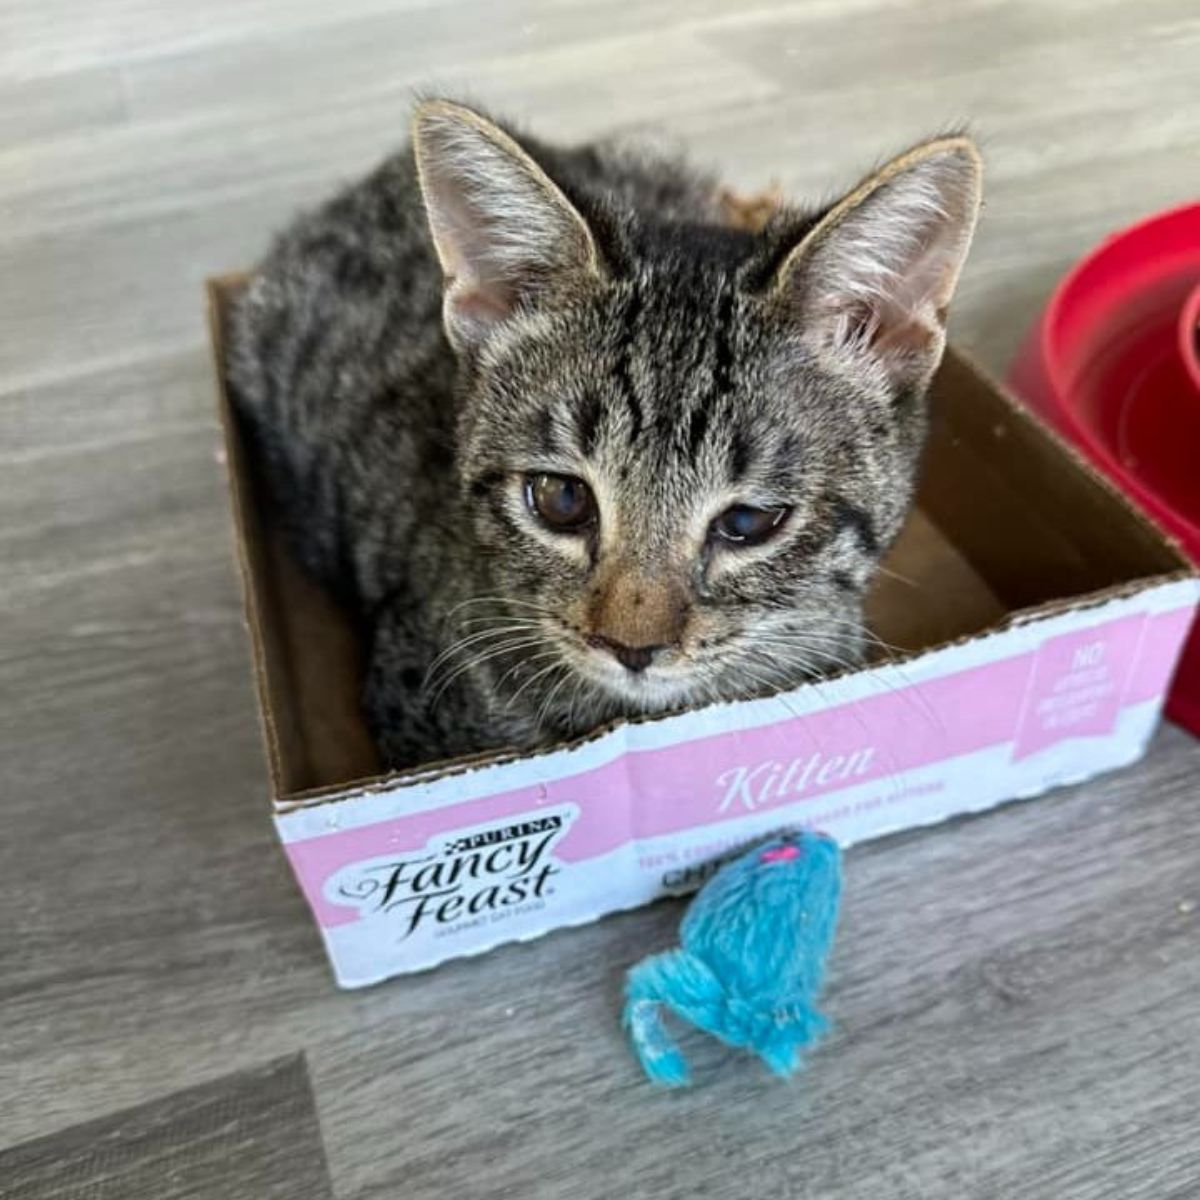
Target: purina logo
{"type": "Point", "coordinates": [466, 879]}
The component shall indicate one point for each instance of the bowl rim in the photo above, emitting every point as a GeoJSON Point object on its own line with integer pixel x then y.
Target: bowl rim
{"type": "Point", "coordinates": [1183, 527]}
{"type": "Point", "coordinates": [1189, 337]}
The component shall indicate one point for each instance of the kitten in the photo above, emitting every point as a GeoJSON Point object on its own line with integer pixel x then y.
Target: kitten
{"type": "Point", "coordinates": [575, 448]}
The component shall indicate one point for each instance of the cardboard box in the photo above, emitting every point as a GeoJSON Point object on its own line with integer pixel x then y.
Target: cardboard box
{"type": "Point", "coordinates": [1037, 617]}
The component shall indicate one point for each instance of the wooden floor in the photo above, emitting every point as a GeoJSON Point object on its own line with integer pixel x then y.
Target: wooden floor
{"type": "Point", "coordinates": [1016, 994]}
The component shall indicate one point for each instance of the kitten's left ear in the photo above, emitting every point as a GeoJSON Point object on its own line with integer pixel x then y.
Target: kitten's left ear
{"type": "Point", "coordinates": [506, 235]}
{"type": "Point", "coordinates": [874, 277]}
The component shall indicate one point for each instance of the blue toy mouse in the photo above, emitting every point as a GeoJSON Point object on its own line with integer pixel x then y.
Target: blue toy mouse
{"type": "Point", "coordinates": [752, 957]}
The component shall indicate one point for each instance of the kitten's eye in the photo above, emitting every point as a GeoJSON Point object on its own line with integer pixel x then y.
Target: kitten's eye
{"type": "Point", "coordinates": [565, 504]}
{"type": "Point", "coordinates": [746, 526]}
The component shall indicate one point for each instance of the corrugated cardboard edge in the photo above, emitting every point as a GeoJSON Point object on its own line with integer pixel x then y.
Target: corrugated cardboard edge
{"type": "Point", "coordinates": [240, 501]}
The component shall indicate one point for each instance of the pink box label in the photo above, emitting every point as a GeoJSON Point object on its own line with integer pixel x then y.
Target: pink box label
{"type": "Point", "coordinates": [1078, 684]}
{"type": "Point", "coordinates": [922, 750]}
{"type": "Point", "coordinates": [653, 793]}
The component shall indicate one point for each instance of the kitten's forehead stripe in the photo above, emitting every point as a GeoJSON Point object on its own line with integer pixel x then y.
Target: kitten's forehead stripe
{"type": "Point", "coordinates": [723, 349]}
{"type": "Point", "coordinates": [739, 456]}
{"type": "Point", "coordinates": [692, 354]}
{"type": "Point", "coordinates": [697, 428]}
{"type": "Point", "coordinates": [547, 441]}
{"type": "Point", "coordinates": [629, 329]}
{"type": "Point", "coordinates": [587, 423]}
{"type": "Point", "coordinates": [787, 454]}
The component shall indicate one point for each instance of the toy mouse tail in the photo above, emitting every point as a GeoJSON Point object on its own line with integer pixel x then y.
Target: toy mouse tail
{"type": "Point", "coordinates": [648, 989]}
{"type": "Point", "coordinates": [658, 1054]}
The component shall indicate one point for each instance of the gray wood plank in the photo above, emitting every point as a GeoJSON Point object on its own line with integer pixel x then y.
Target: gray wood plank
{"type": "Point", "coordinates": [307, 119]}
{"type": "Point", "coordinates": [60, 35]}
{"type": "Point", "coordinates": [468, 46]}
{"type": "Point", "coordinates": [53, 105]}
{"type": "Point", "coordinates": [249, 1136]}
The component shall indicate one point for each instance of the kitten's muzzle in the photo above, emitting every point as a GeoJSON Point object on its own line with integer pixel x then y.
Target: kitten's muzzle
{"type": "Point", "coordinates": [633, 658]}
{"type": "Point", "coordinates": [634, 614]}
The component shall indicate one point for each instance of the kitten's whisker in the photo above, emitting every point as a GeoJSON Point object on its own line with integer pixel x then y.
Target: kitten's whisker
{"type": "Point", "coordinates": [576, 696]}
{"type": "Point", "coordinates": [791, 639]}
{"type": "Point", "coordinates": [910, 692]}
{"type": "Point", "coordinates": [532, 679]}
{"type": "Point", "coordinates": [863, 629]}
{"type": "Point", "coordinates": [495, 652]}
{"type": "Point", "coordinates": [469, 640]}
{"type": "Point", "coordinates": [465, 643]}
{"type": "Point", "coordinates": [544, 708]}
{"type": "Point", "coordinates": [804, 643]}
{"type": "Point", "coordinates": [827, 656]}
{"type": "Point", "coordinates": [501, 602]}
{"type": "Point", "coordinates": [874, 639]}
{"type": "Point", "coordinates": [779, 677]}
{"type": "Point", "coordinates": [856, 628]}
{"type": "Point", "coordinates": [711, 690]}
{"type": "Point", "coordinates": [891, 774]}
{"type": "Point", "coordinates": [444, 683]}
{"type": "Point", "coordinates": [514, 622]}
{"type": "Point", "coordinates": [767, 685]}
{"type": "Point", "coordinates": [912, 583]}
{"type": "Point", "coordinates": [815, 682]}
{"type": "Point", "coordinates": [524, 662]}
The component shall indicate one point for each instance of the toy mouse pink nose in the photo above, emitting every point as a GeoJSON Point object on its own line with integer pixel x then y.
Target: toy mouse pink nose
{"type": "Point", "coordinates": [780, 854]}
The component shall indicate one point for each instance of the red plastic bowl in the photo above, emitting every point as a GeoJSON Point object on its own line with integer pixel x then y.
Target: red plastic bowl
{"type": "Point", "coordinates": [1107, 365]}
{"type": "Point", "coordinates": [1189, 340]}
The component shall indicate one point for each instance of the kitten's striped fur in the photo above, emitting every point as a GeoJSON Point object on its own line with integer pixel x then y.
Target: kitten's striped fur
{"type": "Point", "coordinates": [592, 316]}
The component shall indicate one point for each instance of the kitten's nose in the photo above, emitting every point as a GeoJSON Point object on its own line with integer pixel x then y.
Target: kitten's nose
{"type": "Point", "coordinates": [636, 658]}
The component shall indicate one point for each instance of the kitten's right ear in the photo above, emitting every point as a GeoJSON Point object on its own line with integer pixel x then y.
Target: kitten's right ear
{"type": "Point", "coordinates": [506, 235]}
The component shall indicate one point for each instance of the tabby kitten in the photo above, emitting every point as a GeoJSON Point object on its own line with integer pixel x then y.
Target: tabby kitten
{"type": "Point", "coordinates": [573, 448]}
